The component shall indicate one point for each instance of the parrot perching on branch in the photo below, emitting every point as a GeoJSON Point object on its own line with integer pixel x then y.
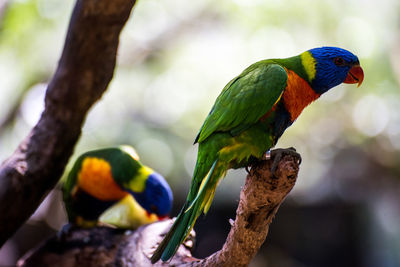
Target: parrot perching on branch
{"type": "Point", "coordinates": [107, 179]}
{"type": "Point", "coordinates": [247, 119]}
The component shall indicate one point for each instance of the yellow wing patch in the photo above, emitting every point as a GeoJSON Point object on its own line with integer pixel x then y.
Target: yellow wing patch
{"type": "Point", "coordinates": [127, 213]}
{"type": "Point", "coordinates": [279, 98]}
{"type": "Point", "coordinates": [309, 64]}
{"type": "Point", "coordinates": [95, 178]}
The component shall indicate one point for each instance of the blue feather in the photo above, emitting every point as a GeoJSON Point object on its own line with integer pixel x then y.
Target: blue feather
{"type": "Point", "coordinates": [157, 196]}
{"type": "Point", "coordinates": [328, 74]}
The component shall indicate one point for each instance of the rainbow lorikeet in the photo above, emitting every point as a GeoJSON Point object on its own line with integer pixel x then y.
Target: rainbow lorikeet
{"type": "Point", "coordinates": [249, 116]}
{"type": "Point", "coordinates": [108, 177]}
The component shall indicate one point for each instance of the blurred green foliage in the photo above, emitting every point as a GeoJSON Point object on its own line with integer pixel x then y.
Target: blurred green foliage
{"type": "Point", "coordinates": [176, 56]}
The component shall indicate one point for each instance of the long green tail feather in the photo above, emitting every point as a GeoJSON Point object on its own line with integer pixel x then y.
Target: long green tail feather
{"type": "Point", "coordinates": [187, 217]}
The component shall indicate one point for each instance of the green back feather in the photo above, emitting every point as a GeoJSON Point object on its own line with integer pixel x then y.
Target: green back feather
{"type": "Point", "coordinates": [245, 99]}
{"type": "Point", "coordinates": [295, 64]}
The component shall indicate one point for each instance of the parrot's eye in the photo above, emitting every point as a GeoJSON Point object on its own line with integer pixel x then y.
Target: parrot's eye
{"type": "Point", "coordinates": [339, 61]}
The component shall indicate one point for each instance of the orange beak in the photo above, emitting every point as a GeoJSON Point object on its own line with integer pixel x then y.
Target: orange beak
{"type": "Point", "coordinates": [355, 75]}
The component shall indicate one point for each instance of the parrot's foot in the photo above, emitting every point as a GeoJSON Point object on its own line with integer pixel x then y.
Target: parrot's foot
{"type": "Point", "coordinates": [277, 155]}
{"type": "Point", "coordinates": [267, 155]}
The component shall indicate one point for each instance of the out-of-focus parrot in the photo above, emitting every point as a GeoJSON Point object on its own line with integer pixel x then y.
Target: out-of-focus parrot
{"type": "Point", "coordinates": [108, 179]}
{"type": "Point", "coordinates": [247, 119]}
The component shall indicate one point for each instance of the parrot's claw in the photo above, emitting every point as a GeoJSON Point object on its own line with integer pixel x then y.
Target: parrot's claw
{"type": "Point", "coordinates": [247, 169]}
{"type": "Point", "coordinates": [277, 155]}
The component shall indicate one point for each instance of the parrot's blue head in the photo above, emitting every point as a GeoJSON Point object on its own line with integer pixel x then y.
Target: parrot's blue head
{"type": "Point", "coordinates": [332, 66]}
{"type": "Point", "coordinates": [157, 196]}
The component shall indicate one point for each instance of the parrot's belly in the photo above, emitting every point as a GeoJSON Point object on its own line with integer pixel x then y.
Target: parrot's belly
{"type": "Point", "coordinates": [237, 150]}
{"type": "Point", "coordinates": [87, 206]}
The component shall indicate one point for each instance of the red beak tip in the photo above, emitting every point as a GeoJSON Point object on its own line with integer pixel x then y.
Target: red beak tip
{"type": "Point", "coordinates": [355, 75]}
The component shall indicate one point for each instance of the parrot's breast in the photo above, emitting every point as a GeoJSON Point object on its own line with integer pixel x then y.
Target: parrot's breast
{"type": "Point", "coordinates": [95, 178]}
{"type": "Point", "coordinates": [297, 95]}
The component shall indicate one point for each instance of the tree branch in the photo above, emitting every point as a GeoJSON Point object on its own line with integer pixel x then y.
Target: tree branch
{"type": "Point", "coordinates": [260, 199]}
{"type": "Point", "coordinates": [102, 246]}
{"type": "Point", "coordinates": [83, 74]}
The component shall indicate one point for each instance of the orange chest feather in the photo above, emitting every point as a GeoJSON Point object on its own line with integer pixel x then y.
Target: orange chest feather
{"type": "Point", "coordinates": [95, 178]}
{"type": "Point", "coordinates": [297, 95]}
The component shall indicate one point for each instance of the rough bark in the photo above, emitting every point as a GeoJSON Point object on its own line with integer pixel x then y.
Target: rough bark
{"type": "Point", "coordinates": [103, 246]}
{"type": "Point", "coordinates": [83, 74]}
{"type": "Point", "coordinates": [260, 199]}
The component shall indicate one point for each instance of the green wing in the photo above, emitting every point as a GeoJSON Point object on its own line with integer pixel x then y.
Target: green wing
{"type": "Point", "coordinates": [245, 99]}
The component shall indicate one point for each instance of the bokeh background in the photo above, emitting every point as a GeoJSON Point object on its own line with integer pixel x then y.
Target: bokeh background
{"type": "Point", "coordinates": [174, 58]}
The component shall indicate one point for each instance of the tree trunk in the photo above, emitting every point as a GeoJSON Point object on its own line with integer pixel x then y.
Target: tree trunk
{"type": "Point", "coordinates": [83, 74]}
